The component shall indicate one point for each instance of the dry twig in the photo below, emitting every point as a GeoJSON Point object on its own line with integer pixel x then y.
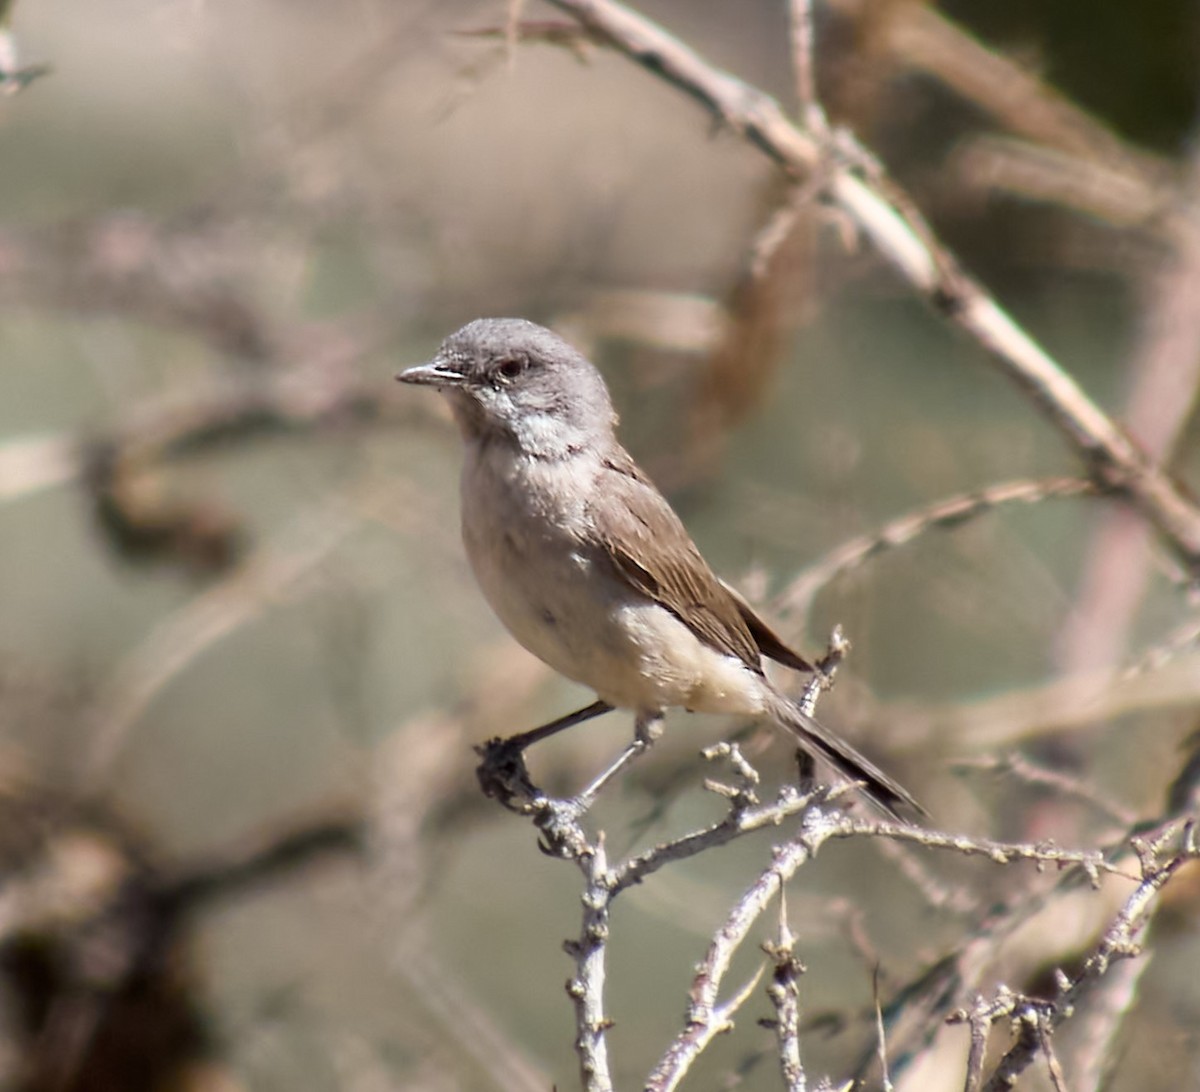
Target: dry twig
{"type": "Point", "coordinates": [884, 213]}
{"type": "Point", "coordinates": [947, 514]}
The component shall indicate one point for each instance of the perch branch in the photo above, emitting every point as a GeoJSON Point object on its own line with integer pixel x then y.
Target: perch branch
{"type": "Point", "coordinates": [1121, 940]}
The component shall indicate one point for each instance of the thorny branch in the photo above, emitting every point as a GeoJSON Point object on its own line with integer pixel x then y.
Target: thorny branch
{"type": "Point", "coordinates": [784, 995]}
{"type": "Point", "coordinates": [1122, 940]}
{"type": "Point", "coordinates": [563, 833]}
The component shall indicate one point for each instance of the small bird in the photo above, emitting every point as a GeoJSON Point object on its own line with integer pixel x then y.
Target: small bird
{"type": "Point", "coordinates": [586, 563]}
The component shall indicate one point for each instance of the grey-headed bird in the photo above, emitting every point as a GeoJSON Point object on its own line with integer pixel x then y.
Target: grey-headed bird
{"type": "Point", "coordinates": [586, 563]}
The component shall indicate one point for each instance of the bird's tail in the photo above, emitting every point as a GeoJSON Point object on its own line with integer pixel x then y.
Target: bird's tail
{"type": "Point", "coordinates": [882, 790]}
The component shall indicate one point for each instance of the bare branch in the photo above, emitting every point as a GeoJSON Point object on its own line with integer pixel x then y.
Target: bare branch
{"type": "Point", "coordinates": [1165, 377]}
{"type": "Point", "coordinates": [734, 825]}
{"type": "Point", "coordinates": [888, 217]}
{"type": "Point", "coordinates": [1046, 1045]}
{"type": "Point", "coordinates": [586, 989]}
{"type": "Point", "coordinates": [979, 1019]}
{"type": "Point", "coordinates": [800, 20]}
{"type": "Point", "coordinates": [943, 515]}
{"type": "Point", "coordinates": [784, 995]}
{"type": "Point", "coordinates": [1092, 862]}
{"type": "Point", "coordinates": [1120, 941]}
{"type": "Point", "coordinates": [1059, 782]}
{"type": "Point", "coordinates": [705, 1018]}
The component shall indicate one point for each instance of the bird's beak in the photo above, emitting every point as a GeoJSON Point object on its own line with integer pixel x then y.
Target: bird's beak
{"type": "Point", "coordinates": [432, 374]}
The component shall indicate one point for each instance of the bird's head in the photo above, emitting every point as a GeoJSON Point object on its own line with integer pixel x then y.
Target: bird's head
{"type": "Point", "coordinates": [512, 381]}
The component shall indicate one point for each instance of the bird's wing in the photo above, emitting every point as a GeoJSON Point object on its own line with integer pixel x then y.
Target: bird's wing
{"type": "Point", "coordinates": [649, 545]}
{"type": "Point", "coordinates": [770, 644]}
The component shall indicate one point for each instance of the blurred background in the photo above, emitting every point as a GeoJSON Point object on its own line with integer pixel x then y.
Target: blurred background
{"type": "Point", "coordinates": [243, 663]}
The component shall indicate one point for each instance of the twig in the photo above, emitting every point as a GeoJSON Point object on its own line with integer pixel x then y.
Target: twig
{"type": "Point", "coordinates": [1120, 941]}
{"type": "Point", "coordinates": [1092, 862]}
{"type": "Point", "coordinates": [885, 1079]}
{"type": "Point", "coordinates": [563, 836]}
{"type": "Point", "coordinates": [778, 229]}
{"type": "Point", "coordinates": [979, 1020]}
{"type": "Point", "coordinates": [884, 213]}
{"type": "Point", "coordinates": [1046, 1045]}
{"type": "Point", "coordinates": [784, 994]}
{"type": "Point", "coordinates": [945, 514]}
{"type": "Point", "coordinates": [705, 1018]}
{"type": "Point", "coordinates": [737, 823]}
{"type": "Point", "coordinates": [934, 996]}
{"type": "Point", "coordinates": [800, 23]}
{"type": "Point", "coordinates": [818, 826]}
{"type": "Point", "coordinates": [1030, 773]}
{"type": "Point", "coordinates": [586, 989]}
{"type": "Point", "coordinates": [1164, 376]}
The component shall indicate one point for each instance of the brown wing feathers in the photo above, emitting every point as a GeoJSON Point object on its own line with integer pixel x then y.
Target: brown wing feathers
{"type": "Point", "coordinates": [673, 573]}
{"type": "Point", "coordinates": [770, 644]}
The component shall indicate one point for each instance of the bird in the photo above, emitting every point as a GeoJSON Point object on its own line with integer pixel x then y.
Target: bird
{"type": "Point", "coordinates": [586, 563]}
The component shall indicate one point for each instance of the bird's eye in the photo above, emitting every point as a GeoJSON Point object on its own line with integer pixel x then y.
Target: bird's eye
{"type": "Point", "coordinates": [511, 368]}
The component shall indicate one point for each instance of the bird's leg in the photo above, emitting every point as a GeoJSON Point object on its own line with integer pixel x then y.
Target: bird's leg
{"type": "Point", "coordinates": [523, 740]}
{"type": "Point", "coordinates": [501, 771]}
{"type": "Point", "coordinates": [562, 835]}
{"type": "Point", "coordinates": [647, 728]}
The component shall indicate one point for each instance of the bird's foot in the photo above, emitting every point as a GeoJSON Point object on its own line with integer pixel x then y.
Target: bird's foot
{"type": "Point", "coordinates": [503, 775]}
{"type": "Point", "coordinates": [502, 772]}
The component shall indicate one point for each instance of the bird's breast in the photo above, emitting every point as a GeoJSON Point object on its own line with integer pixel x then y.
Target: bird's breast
{"type": "Point", "coordinates": [543, 570]}
{"type": "Point", "coordinates": [525, 534]}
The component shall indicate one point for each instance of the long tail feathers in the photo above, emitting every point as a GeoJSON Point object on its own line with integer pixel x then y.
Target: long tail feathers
{"type": "Point", "coordinates": [887, 793]}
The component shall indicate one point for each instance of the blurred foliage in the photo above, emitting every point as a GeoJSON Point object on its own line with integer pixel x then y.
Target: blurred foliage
{"type": "Point", "coordinates": [1134, 68]}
